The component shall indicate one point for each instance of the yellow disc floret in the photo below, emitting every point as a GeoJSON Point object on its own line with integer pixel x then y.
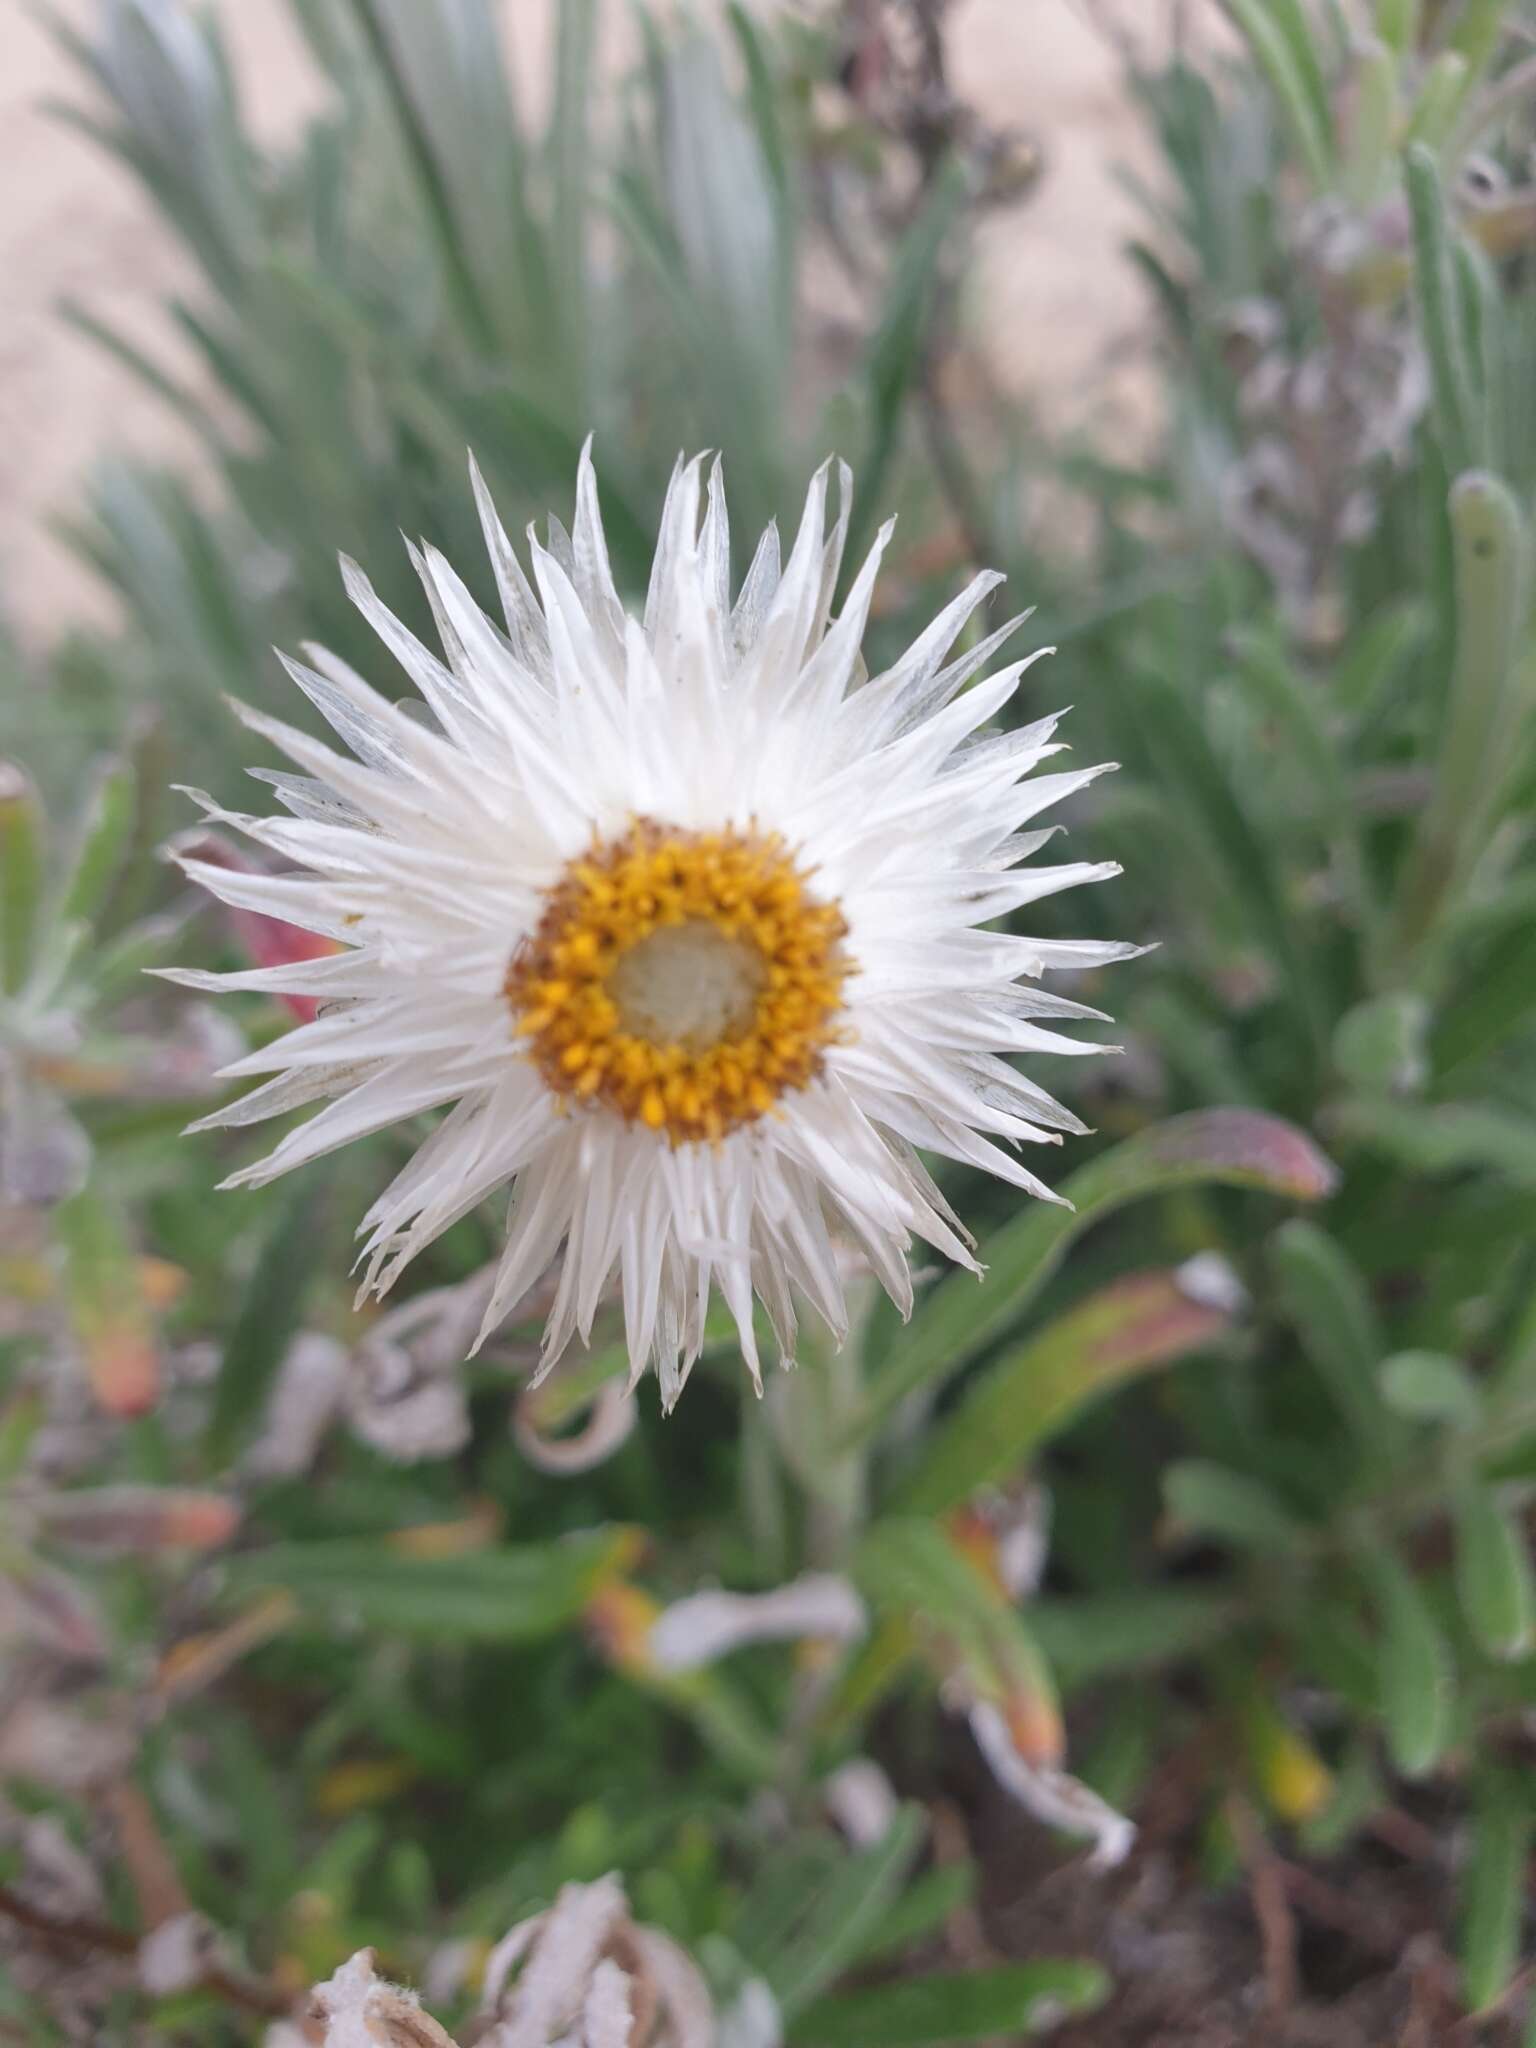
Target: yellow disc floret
{"type": "Point", "coordinates": [685, 980]}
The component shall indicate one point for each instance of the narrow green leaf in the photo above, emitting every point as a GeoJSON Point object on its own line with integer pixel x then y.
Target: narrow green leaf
{"type": "Point", "coordinates": [1447, 1137]}
{"type": "Point", "coordinates": [437, 201]}
{"type": "Point", "coordinates": [921, 1910]}
{"type": "Point", "coordinates": [1374, 125]}
{"type": "Point", "coordinates": [1494, 1577]}
{"type": "Point", "coordinates": [1224, 1147]}
{"type": "Point", "coordinates": [1397, 23]}
{"type": "Point", "coordinates": [1380, 1045]}
{"type": "Point", "coordinates": [1494, 998]}
{"type": "Point", "coordinates": [1414, 1667]}
{"type": "Point", "coordinates": [1183, 757]}
{"type": "Point", "coordinates": [21, 874]}
{"type": "Point", "coordinates": [1493, 1892]}
{"type": "Point", "coordinates": [516, 1594]}
{"type": "Point", "coordinates": [1476, 31]}
{"type": "Point", "coordinates": [569, 142]}
{"type": "Point", "coordinates": [1140, 1322]}
{"type": "Point", "coordinates": [1212, 1500]}
{"type": "Point", "coordinates": [106, 827]}
{"type": "Point", "coordinates": [1439, 101]}
{"type": "Point", "coordinates": [838, 1917]}
{"type": "Point", "coordinates": [268, 1318]}
{"type": "Point", "coordinates": [894, 362]}
{"type": "Point", "coordinates": [1440, 310]}
{"type": "Point", "coordinates": [1327, 1303]}
{"type": "Point", "coordinates": [1366, 676]}
{"type": "Point", "coordinates": [1280, 692]}
{"type": "Point", "coordinates": [1107, 1635]}
{"type": "Point", "coordinates": [976, 2005]}
{"type": "Point", "coordinates": [111, 1317]}
{"type": "Point", "coordinates": [1428, 1386]}
{"type": "Point", "coordinates": [1483, 710]}
{"type": "Point", "coordinates": [913, 1572]}
{"type": "Point", "coordinates": [1291, 82]}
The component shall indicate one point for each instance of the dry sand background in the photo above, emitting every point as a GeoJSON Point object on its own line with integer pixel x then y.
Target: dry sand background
{"type": "Point", "coordinates": [1055, 301]}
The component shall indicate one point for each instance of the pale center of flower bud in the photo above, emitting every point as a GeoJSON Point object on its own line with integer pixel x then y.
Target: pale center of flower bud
{"type": "Point", "coordinates": [687, 984]}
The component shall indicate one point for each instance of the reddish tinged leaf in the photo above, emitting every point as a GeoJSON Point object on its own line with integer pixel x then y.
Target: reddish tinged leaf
{"type": "Point", "coordinates": [108, 1305]}
{"type": "Point", "coordinates": [269, 941]}
{"type": "Point", "coordinates": [1246, 1142]}
{"type": "Point", "coordinates": [45, 1606]}
{"type": "Point", "coordinates": [1139, 1322]}
{"type": "Point", "coordinates": [1224, 1147]}
{"type": "Point", "coordinates": [126, 1519]}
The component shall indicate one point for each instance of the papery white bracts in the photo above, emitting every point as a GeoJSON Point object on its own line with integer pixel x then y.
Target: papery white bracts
{"type": "Point", "coordinates": [443, 850]}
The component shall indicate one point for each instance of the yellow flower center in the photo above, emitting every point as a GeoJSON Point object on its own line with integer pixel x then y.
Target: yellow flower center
{"type": "Point", "coordinates": [686, 980]}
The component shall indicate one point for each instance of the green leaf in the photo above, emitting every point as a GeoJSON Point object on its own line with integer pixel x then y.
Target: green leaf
{"type": "Point", "coordinates": [1225, 1147]}
{"type": "Point", "coordinates": [1279, 691]}
{"type": "Point", "coordinates": [976, 2005]}
{"type": "Point", "coordinates": [1447, 1137]}
{"type": "Point", "coordinates": [21, 874]}
{"type": "Point", "coordinates": [1494, 998]}
{"type": "Point", "coordinates": [911, 1570]}
{"type": "Point", "coordinates": [1142, 1321]}
{"type": "Point", "coordinates": [1380, 1045]}
{"type": "Point", "coordinates": [894, 362]}
{"type": "Point", "coordinates": [1493, 1892]}
{"type": "Point", "coordinates": [1494, 1577]}
{"type": "Point", "coordinates": [1294, 80]}
{"type": "Point", "coordinates": [1327, 1303]}
{"type": "Point", "coordinates": [106, 826]}
{"type": "Point", "coordinates": [1483, 714]}
{"type": "Point", "coordinates": [836, 1918]}
{"type": "Point", "coordinates": [268, 1318]}
{"type": "Point", "coordinates": [1397, 23]}
{"type": "Point", "coordinates": [1476, 32]}
{"type": "Point", "coordinates": [1440, 96]}
{"type": "Point", "coordinates": [1107, 1635]}
{"type": "Point", "coordinates": [1429, 1386]}
{"type": "Point", "coordinates": [1212, 1500]}
{"type": "Point", "coordinates": [1414, 1667]}
{"type": "Point", "coordinates": [1183, 758]}
{"type": "Point", "coordinates": [516, 1594]}
{"type": "Point", "coordinates": [1374, 125]}
{"type": "Point", "coordinates": [1440, 310]}
{"type": "Point", "coordinates": [922, 1909]}
{"type": "Point", "coordinates": [1365, 677]}
{"type": "Point", "coordinates": [107, 1305]}
{"type": "Point", "coordinates": [421, 148]}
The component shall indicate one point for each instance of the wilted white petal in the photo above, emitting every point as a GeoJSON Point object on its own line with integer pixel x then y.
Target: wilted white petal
{"type": "Point", "coordinates": [177, 1954]}
{"type": "Point", "coordinates": [607, 2014]}
{"type": "Point", "coordinates": [1050, 1795]}
{"type": "Point", "coordinates": [683, 1994]}
{"type": "Point", "coordinates": [675, 924]}
{"type": "Point", "coordinates": [359, 2010]}
{"type": "Point", "coordinates": [563, 1947]}
{"type": "Point", "coordinates": [707, 1626]}
{"type": "Point", "coordinates": [752, 2019]}
{"type": "Point", "coordinates": [609, 1425]}
{"type": "Point", "coordinates": [310, 1385]}
{"type": "Point", "coordinates": [862, 1800]}
{"type": "Point", "coordinates": [1213, 1282]}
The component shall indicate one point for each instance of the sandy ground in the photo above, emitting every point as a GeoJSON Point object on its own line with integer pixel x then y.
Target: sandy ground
{"type": "Point", "coordinates": [1055, 301]}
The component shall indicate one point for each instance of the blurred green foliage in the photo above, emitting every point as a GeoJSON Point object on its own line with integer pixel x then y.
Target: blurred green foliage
{"type": "Point", "coordinates": [1292, 1458]}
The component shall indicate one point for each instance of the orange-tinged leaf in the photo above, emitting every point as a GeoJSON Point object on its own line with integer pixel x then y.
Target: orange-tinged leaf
{"type": "Point", "coordinates": [365, 1781]}
{"type": "Point", "coordinates": [478, 1530]}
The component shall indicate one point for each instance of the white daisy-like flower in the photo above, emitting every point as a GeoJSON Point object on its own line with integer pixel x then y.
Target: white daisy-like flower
{"type": "Point", "coordinates": [682, 914]}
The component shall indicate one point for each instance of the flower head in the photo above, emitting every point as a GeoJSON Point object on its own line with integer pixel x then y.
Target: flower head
{"type": "Point", "coordinates": [680, 913]}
